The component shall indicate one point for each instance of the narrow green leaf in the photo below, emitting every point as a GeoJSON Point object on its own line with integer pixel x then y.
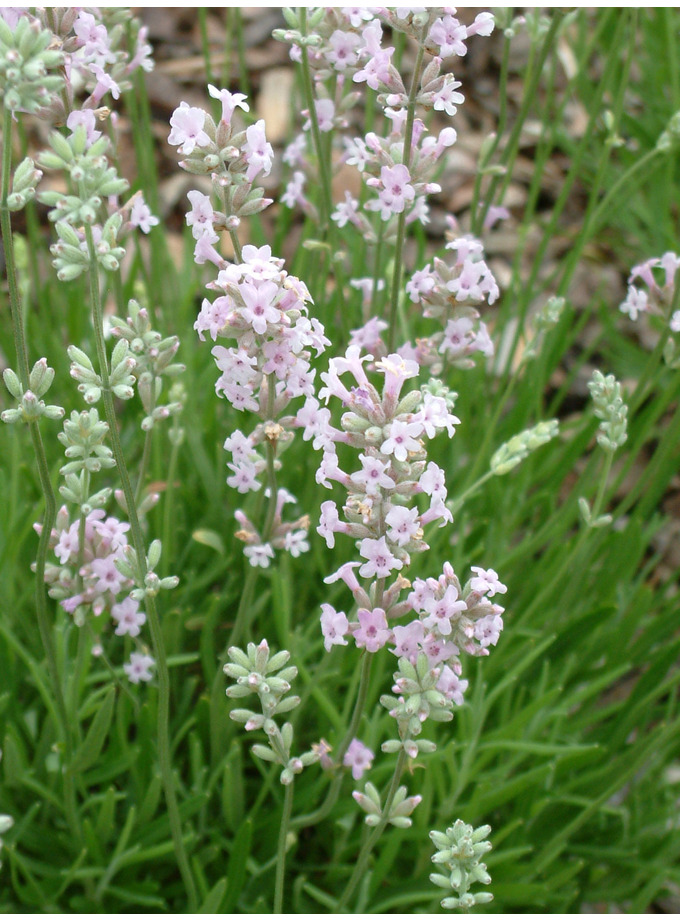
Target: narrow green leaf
{"type": "Point", "coordinates": [240, 851]}
{"type": "Point", "coordinates": [212, 903]}
{"type": "Point", "coordinates": [89, 751]}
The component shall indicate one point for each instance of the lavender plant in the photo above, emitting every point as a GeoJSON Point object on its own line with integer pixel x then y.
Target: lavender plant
{"type": "Point", "coordinates": [397, 363]}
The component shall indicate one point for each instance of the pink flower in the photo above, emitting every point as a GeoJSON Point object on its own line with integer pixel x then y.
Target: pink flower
{"type": "Point", "coordinates": [396, 190]}
{"type": "Point", "coordinates": [259, 555]}
{"type": "Point", "coordinates": [446, 99]}
{"type": "Point", "coordinates": [109, 578]}
{"type": "Point", "coordinates": [67, 545]}
{"type": "Point", "coordinates": [229, 101]}
{"type": "Point", "coordinates": [343, 53]}
{"type": "Point", "coordinates": [139, 667]}
{"type": "Point", "coordinates": [451, 685]}
{"type": "Point", "coordinates": [488, 629]}
{"type": "Point", "coordinates": [441, 611]}
{"type": "Point", "coordinates": [346, 211]}
{"type": "Point", "coordinates": [259, 153]}
{"type": "Point", "coordinates": [334, 627]}
{"type": "Point", "coordinates": [187, 128]}
{"type": "Point", "coordinates": [295, 542]}
{"type": "Point", "coordinates": [408, 640]}
{"type": "Point", "coordinates": [128, 617]}
{"type": "Point", "coordinates": [244, 477]}
{"type": "Point", "coordinates": [358, 757]}
{"type": "Point", "coordinates": [635, 303]}
{"type": "Point", "coordinates": [486, 581]}
{"type": "Point", "coordinates": [380, 559]}
{"type": "Point", "coordinates": [433, 482]}
{"type": "Point", "coordinates": [450, 35]}
{"type": "Point", "coordinates": [403, 523]}
{"type": "Point", "coordinates": [200, 217]}
{"type": "Point", "coordinates": [402, 439]}
{"type": "Point", "coordinates": [421, 283]}
{"type": "Point", "coordinates": [259, 305]}
{"type": "Point", "coordinates": [372, 631]}
{"type": "Point", "coordinates": [372, 476]}
{"type": "Point", "coordinates": [141, 216]}
{"type": "Point", "coordinates": [112, 531]}
{"type": "Point", "coordinates": [325, 113]}
{"type": "Point", "coordinates": [329, 523]}
{"type": "Point", "coordinates": [87, 119]}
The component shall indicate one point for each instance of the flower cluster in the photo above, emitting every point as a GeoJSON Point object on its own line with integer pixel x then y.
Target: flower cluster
{"type": "Point", "coordinates": [389, 432]}
{"type": "Point", "coordinates": [610, 409]}
{"type": "Point", "coordinates": [90, 45]}
{"type": "Point", "coordinates": [26, 59]}
{"type": "Point", "coordinates": [290, 536]}
{"type": "Point", "coordinates": [658, 297]}
{"type": "Point", "coordinates": [88, 221]}
{"type": "Point", "coordinates": [659, 300]}
{"type": "Point", "coordinates": [87, 577]}
{"type": "Point", "coordinates": [451, 294]}
{"type": "Point", "coordinates": [153, 359]}
{"type": "Point", "coordinates": [30, 406]}
{"type": "Point", "coordinates": [344, 48]}
{"type": "Point", "coordinates": [232, 158]}
{"type": "Point", "coordinates": [401, 807]}
{"type": "Point", "coordinates": [256, 672]}
{"type": "Point", "coordinates": [265, 310]}
{"type": "Point", "coordinates": [459, 851]}
{"type": "Point", "coordinates": [518, 448]}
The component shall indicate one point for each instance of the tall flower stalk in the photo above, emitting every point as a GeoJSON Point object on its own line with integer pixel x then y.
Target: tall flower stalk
{"type": "Point", "coordinates": [24, 380]}
{"type": "Point", "coordinates": [138, 542]}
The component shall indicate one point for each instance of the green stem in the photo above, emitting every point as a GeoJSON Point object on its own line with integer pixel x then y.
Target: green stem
{"type": "Point", "coordinates": [460, 501]}
{"type": "Point", "coordinates": [281, 852]}
{"type": "Point", "coordinates": [401, 224]}
{"type": "Point", "coordinates": [150, 601]}
{"type": "Point", "coordinates": [324, 173]}
{"type": "Point", "coordinates": [527, 99]}
{"type": "Point", "coordinates": [604, 478]}
{"type": "Point", "coordinates": [7, 242]}
{"type": "Point", "coordinates": [374, 836]}
{"type": "Point", "coordinates": [502, 119]}
{"type": "Point", "coordinates": [237, 245]}
{"type": "Point", "coordinates": [50, 516]}
{"type": "Point", "coordinates": [169, 500]}
{"type": "Point", "coordinates": [146, 453]}
{"type": "Point", "coordinates": [334, 789]}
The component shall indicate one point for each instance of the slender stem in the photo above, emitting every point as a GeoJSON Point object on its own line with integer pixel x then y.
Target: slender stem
{"type": "Point", "coordinates": [527, 100]}
{"type": "Point", "coordinates": [281, 851]}
{"type": "Point", "coordinates": [169, 500]}
{"type": "Point", "coordinates": [334, 789]}
{"type": "Point", "coordinates": [374, 836]}
{"type": "Point", "coordinates": [502, 119]}
{"type": "Point", "coordinates": [146, 453]}
{"type": "Point", "coordinates": [604, 478]}
{"type": "Point", "coordinates": [150, 602]}
{"type": "Point", "coordinates": [49, 518]}
{"type": "Point", "coordinates": [237, 245]}
{"type": "Point", "coordinates": [324, 173]}
{"type": "Point", "coordinates": [401, 224]}
{"type": "Point", "coordinates": [7, 242]}
{"type": "Point", "coordinates": [460, 501]}
{"type": "Point", "coordinates": [46, 631]}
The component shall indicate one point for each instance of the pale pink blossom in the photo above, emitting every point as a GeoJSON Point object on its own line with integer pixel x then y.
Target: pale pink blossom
{"type": "Point", "coordinates": [372, 631]}
{"type": "Point", "coordinates": [358, 757]}
{"type": "Point", "coordinates": [334, 626]}
{"type": "Point", "coordinates": [139, 667]}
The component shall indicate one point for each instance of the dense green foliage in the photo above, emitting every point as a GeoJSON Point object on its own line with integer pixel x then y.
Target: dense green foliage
{"type": "Point", "coordinates": [570, 726]}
